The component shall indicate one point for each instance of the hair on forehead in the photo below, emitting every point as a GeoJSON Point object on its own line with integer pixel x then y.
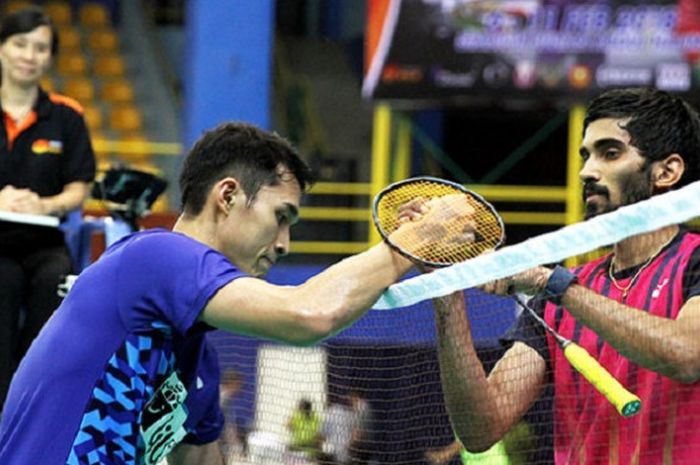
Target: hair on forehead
{"type": "Point", "coordinates": [253, 156]}
{"type": "Point", "coordinates": [659, 124]}
{"type": "Point", "coordinates": [26, 20]}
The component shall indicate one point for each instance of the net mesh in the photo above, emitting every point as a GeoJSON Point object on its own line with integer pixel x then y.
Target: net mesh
{"type": "Point", "coordinates": [485, 230]}
{"type": "Point", "coordinates": [381, 377]}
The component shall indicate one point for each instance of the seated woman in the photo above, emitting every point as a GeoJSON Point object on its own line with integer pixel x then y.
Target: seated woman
{"type": "Point", "coordinates": [46, 167]}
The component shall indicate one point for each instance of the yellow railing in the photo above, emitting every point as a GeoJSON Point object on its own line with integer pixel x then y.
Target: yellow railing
{"type": "Point", "coordinates": [495, 193]}
{"type": "Point", "coordinates": [387, 167]}
{"type": "Point", "coordinates": [504, 193]}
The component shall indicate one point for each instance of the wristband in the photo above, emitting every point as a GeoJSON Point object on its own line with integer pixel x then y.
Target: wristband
{"type": "Point", "coordinates": [558, 282]}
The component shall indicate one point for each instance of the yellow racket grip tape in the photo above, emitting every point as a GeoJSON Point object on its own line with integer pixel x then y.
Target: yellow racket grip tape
{"type": "Point", "coordinates": [626, 403]}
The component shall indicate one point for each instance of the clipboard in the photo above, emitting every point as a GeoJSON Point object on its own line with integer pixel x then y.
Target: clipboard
{"type": "Point", "coordinates": [30, 219]}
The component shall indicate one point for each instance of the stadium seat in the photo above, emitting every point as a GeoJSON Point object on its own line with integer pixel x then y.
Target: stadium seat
{"type": "Point", "coordinates": [14, 5]}
{"type": "Point", "coordinates": [69, 38]}
{"type": "Point", "coordinates": [71, 64]}
{"type": "Point", "coordinates": [117, 91]}
{"type": "Point", "coordinates": [60, 13]}
{"type": "Point", "coordinates": [108, 66]}
{"type": "Point", "coordinates": [93, 117]}
{"type": "Point", "coordinates": [135, 148]}
{"type": "Point", "coordinates": [94, 15]}
{"type": "Point", "coordinates": [80, 88]}
{"type": "Point", "coordinates": [102, 41]}
{"type": "Point", "coordinates": [125, 119]}
{"type": "Point", "coordinates": [47, 84]}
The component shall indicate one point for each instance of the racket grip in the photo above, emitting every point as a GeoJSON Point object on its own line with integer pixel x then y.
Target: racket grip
{"type": "Point", "coordinates": [626, 403]}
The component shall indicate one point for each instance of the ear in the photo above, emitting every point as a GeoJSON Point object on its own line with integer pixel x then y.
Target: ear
{"type": "Point", "coordinates": [667, 172]}
{"type": "Point", "coordinates": [226, 191]}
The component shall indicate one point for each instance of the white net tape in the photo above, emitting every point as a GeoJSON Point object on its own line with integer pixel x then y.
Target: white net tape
{"type": "Point", "coordinates": [671, 208]}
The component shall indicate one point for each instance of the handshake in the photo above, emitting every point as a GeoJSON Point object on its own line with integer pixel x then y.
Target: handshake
{"type": "Point", "coordinates": [440, 230]}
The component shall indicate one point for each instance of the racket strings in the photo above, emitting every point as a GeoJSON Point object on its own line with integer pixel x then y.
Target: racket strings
{"type": "Point", "coordinates": [450, 241]}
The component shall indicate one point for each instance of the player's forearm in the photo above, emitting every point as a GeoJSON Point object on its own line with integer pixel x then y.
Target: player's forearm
{"type": "Point", "coordinates": [72, 197]}
{"type": "Point", "coordinates": [346, 290]}
{"type": "Point", "coordinates": [468, 396]}
{"type": "Point", "coordinates": [669, 347]}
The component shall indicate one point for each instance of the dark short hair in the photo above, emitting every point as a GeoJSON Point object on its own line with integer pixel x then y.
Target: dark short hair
{"type": "Point", "coordinates": [243, 151]}
{"type": "Point", "coordinates": [659, 124]}
{"type": "Point", "coordinates": [26, 20]}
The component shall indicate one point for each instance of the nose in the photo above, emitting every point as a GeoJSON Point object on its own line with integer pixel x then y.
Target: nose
{"type": "Point", "coordinates": [589, 171]}
{"type": "Point", "coordinates": [282, 242]}
{"type": "Point", "coordinates": [29, 53]}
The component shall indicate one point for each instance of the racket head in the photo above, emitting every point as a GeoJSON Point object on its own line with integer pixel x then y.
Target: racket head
{"type": "Point", "coordinates": [489, 231]}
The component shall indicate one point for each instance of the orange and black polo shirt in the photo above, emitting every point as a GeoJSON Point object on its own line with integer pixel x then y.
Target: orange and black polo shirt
{"type": "Point", "coordinates": [47, 150]}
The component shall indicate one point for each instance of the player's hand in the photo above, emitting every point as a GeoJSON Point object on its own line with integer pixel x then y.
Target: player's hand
{"type": "Point", "coordinates": [30, 202]}
{"type": "Point", "coordinates": [438, 456]}
{"type": "Point", "coordinates": [412, 210]}
{"type": "Point", "coordinates": [439, 222]}
{"type": "Point", "coordinates": [17, 200]}
{"type": "Point", "coordinates": [531, 282]}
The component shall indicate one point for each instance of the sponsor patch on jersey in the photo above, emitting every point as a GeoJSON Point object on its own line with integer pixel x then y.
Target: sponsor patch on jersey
{"type": "Point", "coordinates": [44, 146]}
{"type": "Point", "coordinates": [163, 419]}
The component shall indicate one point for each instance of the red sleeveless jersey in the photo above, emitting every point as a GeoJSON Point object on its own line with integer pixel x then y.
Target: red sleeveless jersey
{"type": "Point", "coordinates": [588, 430]}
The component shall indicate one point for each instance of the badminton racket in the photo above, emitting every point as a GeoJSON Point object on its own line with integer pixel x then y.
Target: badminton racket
{"type": "Point", "coordinates": [470, 225]}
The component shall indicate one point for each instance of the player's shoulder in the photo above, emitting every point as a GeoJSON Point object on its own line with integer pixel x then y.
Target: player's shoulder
{"type": "Point", "coordinates": [691, 235]}
{"type": "Point", "coordinates": [66, 102]}
{"type": "Point", "coordinates": [163, 241]}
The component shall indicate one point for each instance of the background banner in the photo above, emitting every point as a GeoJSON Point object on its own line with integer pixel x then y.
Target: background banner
{"type": "Point", "coordinates": [551, 49]}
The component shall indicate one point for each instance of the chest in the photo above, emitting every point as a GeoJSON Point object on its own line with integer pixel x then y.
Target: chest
{"type": "Point", "coordinates": [32, 156]}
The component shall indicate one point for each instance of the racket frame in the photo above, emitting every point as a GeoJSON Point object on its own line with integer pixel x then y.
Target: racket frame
{"type": "Point", "coordinates": [393, 186]}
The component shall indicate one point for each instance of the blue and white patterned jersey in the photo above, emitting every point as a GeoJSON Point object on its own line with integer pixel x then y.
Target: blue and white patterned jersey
{"type": "Point", "coordinates": [122, 372]}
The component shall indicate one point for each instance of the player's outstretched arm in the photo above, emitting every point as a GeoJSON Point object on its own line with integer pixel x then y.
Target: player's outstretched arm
{"type": "Point", "coordinates": [665, 345]}
{"type": "Point", "coordinates": [333, 299]}
{"type": "Point", "coordinates": [309, 312]}
{"type": "Point", "coordinates": [482, 409]}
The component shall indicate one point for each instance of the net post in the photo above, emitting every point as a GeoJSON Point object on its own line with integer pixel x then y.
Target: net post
{"type": "Point", "coordinates": [381, 152]}
{"type": "Point", "coordinates": [574, 204]}
{"type": "Point", "coordinates": [401, 167]}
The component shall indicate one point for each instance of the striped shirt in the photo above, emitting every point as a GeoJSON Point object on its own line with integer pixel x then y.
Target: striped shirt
{"type": "Point", "coordinates": [588, 430]}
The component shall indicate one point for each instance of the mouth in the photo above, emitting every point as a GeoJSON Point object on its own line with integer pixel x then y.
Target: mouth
{"type": "Point", "coordinates": [590, 193]}
{"type": "Point", "coordinates": [588, 197]}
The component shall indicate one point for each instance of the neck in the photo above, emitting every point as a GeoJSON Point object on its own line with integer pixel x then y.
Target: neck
{"type": "Point", "coordinates": [14, 95]}
{"type": "Point", "coordinates": [194, 227]}
{"type": "Point", "coordinates": [638, 249]}
{"type": "Point", "coordinates": [17, 101]}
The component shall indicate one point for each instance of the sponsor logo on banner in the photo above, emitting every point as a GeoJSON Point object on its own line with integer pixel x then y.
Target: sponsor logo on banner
{"type": "Point", "coordinates": [580, 76]}
{"type": "Point", "coordinates": [609, 76]}
{"type": "Point", "coordinates": [550, 74]}
{"type": "Point", "coordinates": [524, 76]}
{"type": "Point", "coordinates": [497, 74]}
{"type": "Point", "coordinates": [396, 73]}
{"type": "Point", "coordinates": [673, 76]}
{"type": "Point", "coordinates": [447, 78]}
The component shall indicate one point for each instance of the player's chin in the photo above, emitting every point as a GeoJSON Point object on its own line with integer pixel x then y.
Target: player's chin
{"type": "Point", "coordinates": [593, 209]}
{"type": "Point", "coordinates": [262, 266]}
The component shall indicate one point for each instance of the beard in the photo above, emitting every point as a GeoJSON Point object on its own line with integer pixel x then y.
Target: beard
{"type": "Point", "coordinates": [634, 187]}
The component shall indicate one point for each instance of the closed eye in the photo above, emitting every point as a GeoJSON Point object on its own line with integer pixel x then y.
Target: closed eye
{"type": "Point", "coordinates": [611, 154]}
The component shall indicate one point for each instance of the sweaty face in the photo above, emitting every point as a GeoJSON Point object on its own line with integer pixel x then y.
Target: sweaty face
{"type": "Point", "coordinates": [614, 173]}
{"type": "Point", "coordinates": [26, 57]}
{"type": "Point", "coordinates": [258, 230]}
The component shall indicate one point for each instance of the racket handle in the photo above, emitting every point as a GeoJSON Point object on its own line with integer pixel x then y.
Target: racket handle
{"type": "Point", "coordinates": [626, 403]}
